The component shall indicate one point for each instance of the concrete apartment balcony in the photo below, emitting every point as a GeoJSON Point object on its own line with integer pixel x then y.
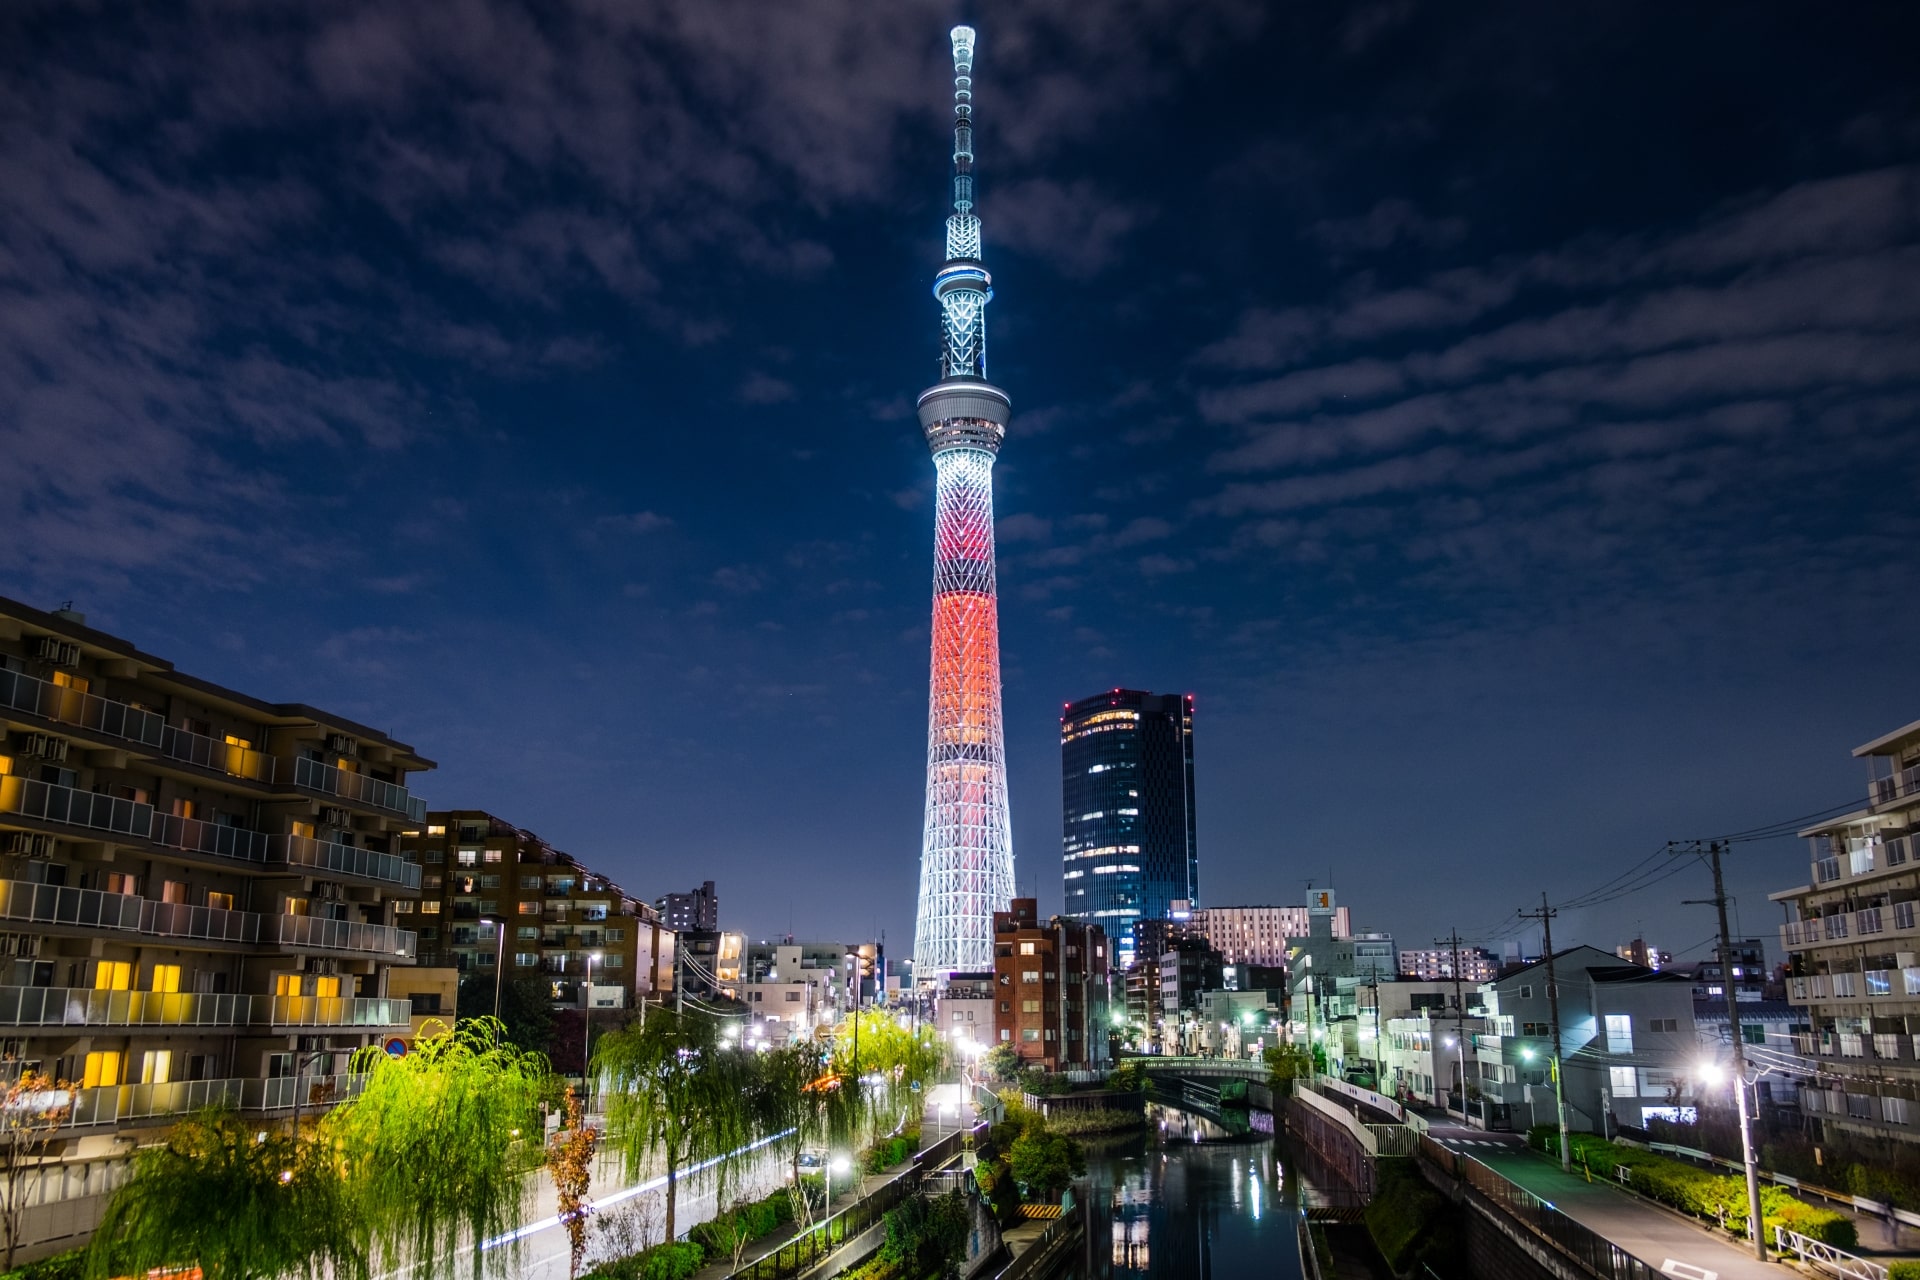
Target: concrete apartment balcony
{"type": "Point", "coordinates": [343, 860]}
{"type": "Point", "coordinates": [63, 707]}
{"type": "Point", "coordinates": [358, 788]}
{"type": "Point", "coordinates": [84, 1007]}
{"type": "Point", "coordinates": [1898, 786]}
{"type": "Point", "coordinates": [314, 933]}
{"type": "Point", "coordinates": [1900, 920]}
{"type": "Point", "coordinates": [199, 924]}
{"type": "Point", "coordinates": [216, 840]}
{"type": "Point", "coordinates": [68, 807]}
{"type": "Point", "coordinates": [115, 1104]}
{"type": "Point", "coordinates": [57, 905]}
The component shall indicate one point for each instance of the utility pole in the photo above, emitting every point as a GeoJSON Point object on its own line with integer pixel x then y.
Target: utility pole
{"type": "Point", "coordinates": [1545, 916]}
{"type": "Point", "coordinates": [1460, 1027]}
{"type": "Point", "coordinates": [1719, 901]}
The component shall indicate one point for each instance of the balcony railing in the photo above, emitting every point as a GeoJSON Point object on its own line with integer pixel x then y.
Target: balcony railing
{"type": "Point", "coordinates": [31, 798]}
{"type": "Point", "coordinates": [145, 1101]}
{"type": "Point", "coordinates": [110, 719]}
{"type": "Point", "coordinates": [83, 1007]}
{"type": "Point", "coordinates": [340, 1011]}
{"type": "Point", "coordinates": [191, 835]}
{"type": "Point", "coordinates": [1886, 790]}
{"type": "Point", "coordinates": [317, 775]}
{"type": "Point", "coordinates": [326, 855]}
{"type": "Point", "coordinates": [341, 935]}
{"type": "Point", "coordinates": [80, 1007]}
{"type": "Point", "coordinates": [209, 924]}
{"type": "Point", "coordinates": [59, 904]}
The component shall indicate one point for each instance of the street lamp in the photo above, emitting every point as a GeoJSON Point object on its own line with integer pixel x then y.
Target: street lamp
{"type": "Point", "coordinates": [586, 1032]}
{"type": "Point", "coordinates": [499, 924]}
{"type": "Point", "coordinates": [838, 1164]}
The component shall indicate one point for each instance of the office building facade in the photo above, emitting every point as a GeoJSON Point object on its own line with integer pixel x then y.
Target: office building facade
{"type": "Point", "coordinates": [201, 894]}
{"type": "Point", "coordinates": [1129, 837]}
{"type": "Point", "coordinates": [1474, 964]}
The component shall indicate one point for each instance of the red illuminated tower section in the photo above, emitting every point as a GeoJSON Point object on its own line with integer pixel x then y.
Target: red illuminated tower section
{"type": "Point", "coordinates": [966, 856]}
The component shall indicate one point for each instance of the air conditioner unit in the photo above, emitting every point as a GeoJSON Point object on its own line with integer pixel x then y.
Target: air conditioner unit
{"type": "Point", "coordinates": [61, 653]}
{"type": "Point", "coordinates": [341, 745]}
{"type": "Point", "coordinates": [335, 817]}
{"type": "Point", "coordinates": [44, 746]}
{"type": "Point", "coordinates": [328, 891]}
{"type": "Point", "coordinates": [23, 845]}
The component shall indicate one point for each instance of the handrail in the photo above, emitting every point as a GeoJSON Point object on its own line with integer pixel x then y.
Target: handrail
{"type": "Point", "coordinates": [1836, 1260]}
{"type": "Point", "coordinates": [83, 1007]}
{"type": "Point", "coordinates": [329, 855]}
{"type": "Point", "coordinates": [50, 802]}
{"type": "Point", "coordinates": [1033, 1260]}
{"type": "Point", "coordinates": [63, 904]}
{"type": "Point", "coordinates": [342, 935]}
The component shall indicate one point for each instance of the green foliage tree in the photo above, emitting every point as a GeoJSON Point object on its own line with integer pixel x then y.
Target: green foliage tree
{"type": "Point", "coordinates": [526, 1007]}
{"type": "Point", "coordinates": [1046, 1163]}
{"type": "Point", "coordinates": [239, 1203]}
{"type": "Point", "coordinates": [1286, 1063]}
{"type": "Point", "coordinates": [1000, 1062]}
{"type": "Point", "coordinates": [798, 1095]}
{"type": "Point", "coordinates": [675, 1092]}
{"type": "Point", "coordinates": [437, 1145]}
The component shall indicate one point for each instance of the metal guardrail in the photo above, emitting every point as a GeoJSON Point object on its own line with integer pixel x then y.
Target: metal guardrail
{"type": "Point", "coordinates": [814, 1244]}
{"type": "Point", "coordinates": [1825, 1256]}
{"type": "Point", "coordinates": [1588, 1249]}
{"type": "Point", "coordinates": [1309, 1256]}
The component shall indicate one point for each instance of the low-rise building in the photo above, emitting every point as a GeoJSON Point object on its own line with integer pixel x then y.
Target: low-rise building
{"type": "Point", "coordinates": [964, 1009]}
{"type": "Point", "coordinates": [1853, 944]}
{"type": "Point", "coordinates": [1051, 985]}
{"type": "Point", "coordinates": [1629, 1049]}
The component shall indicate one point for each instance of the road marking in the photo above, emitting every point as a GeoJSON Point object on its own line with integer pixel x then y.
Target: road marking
{"type": "Point", "coordinates": [1687, 1271]}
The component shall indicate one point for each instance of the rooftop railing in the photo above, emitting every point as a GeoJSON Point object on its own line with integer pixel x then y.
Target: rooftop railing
{"type": "Point", "coordinates": [317, 775]}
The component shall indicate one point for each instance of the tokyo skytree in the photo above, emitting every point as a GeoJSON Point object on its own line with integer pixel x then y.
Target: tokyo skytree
{"type": "Point", "coordinates": [966, 856]}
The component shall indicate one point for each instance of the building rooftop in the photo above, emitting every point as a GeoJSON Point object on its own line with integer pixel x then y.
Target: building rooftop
{"type": "Point", "coordinates": [1891, 743]}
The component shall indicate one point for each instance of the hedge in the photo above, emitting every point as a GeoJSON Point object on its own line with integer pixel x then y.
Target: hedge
{"type": "Point", "coordinates": [675, 1261]}
{"type": "Point", "coordinates": [888, 1152]}
{"type": "Point", "coordinates": [1903, 1271]}
{"type": "Point", "coordinates": [1700, 1192]}
{"type": "Point", "coordinates": [758, 1218]}
{"type": "Point", "coordinates": [71, 1265]}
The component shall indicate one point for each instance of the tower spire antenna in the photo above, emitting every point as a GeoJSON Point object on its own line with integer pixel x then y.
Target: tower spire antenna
{"type": "Point", "coordinates": [966, 856]}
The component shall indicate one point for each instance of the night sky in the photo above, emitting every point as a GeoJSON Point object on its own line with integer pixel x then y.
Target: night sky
{"type": "Point", "coordinates": [1500, 417]}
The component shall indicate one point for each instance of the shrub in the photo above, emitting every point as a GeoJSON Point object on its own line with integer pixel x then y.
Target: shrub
{"type": "Point", "coordinates": [744, 1222]}
{"type": "Point", "coordinates": [675, 1261]}
{"type": "Point", "coordinates": [71, 1265]}
{"type": "Point", "coordinates": [886, 1153]}
{"type": "Point", "coordinates": [1903, 1271]}
{"type": "Point", "coordinates": [1083, 1123]}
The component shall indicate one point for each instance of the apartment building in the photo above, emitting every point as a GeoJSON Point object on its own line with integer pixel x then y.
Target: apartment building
{"type": "Point", "coordinates": [801, 984]}
{"type": "Point", "coordinates": [1258, 935]}
{"type": "Point", "coordinates": [1052, 983]}
{"type": "Point", "coordinates": [499, 901]}
{"type": "Point", "coordinates": [964, 1009]}
{"type": "Point", "coordinates": [699, 909]}
{"type": "Point", "coordinates": [201, 894]}
{"type": "Point", "coordinates": [1476, 964]}
{"type": "Point", "coordinates": [1853, 945]}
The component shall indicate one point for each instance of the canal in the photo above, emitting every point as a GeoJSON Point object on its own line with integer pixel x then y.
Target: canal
{"type": "Point", "coordinates": [1185, 1200]}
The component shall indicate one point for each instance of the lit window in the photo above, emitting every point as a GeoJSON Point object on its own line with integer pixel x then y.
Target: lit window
{"type": "Point", "coordinates": [166, 977]}
{"type": "Point", "coordinates": [1623, 1082]}
{"type": "Point", "coordinates": [1619, 1033]}
{"type": "Point", "coordinates": [430, 907]}
{"type": "Point", "coordinates": [112, 975]}
{"type": "Point", "coordinates": [102, 1070]}
{"type": "Point", "coordinates": [436, 829]}
{"type": "Point", "coordinates": [1026, 948]}
{"type": "Point", "coordinates": [467, 857]}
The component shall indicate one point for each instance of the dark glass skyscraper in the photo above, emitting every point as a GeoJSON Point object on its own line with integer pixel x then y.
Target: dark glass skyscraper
{"type": "Point", "coordinates": [1127, 824]}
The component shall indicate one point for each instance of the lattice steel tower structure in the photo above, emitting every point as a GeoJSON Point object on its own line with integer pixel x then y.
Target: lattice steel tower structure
{"type": "Point", "coordinates": [966, 857]}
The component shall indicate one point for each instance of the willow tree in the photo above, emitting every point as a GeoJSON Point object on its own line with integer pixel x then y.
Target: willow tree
{"type": "Point", "coordinates": [874, 1045]}
{"type": "Point", "coordinates": [235, 1201]}
{"type": "Point", "coordinates": [678, 1094]}
{"type": "Point", "coordinates": [437, 1144]}
{"type": "Point", "coordinates": [800, 1096]}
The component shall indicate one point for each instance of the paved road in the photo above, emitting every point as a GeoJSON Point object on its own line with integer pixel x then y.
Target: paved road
{"type": "Point", "coordinates": [1662, 1239]}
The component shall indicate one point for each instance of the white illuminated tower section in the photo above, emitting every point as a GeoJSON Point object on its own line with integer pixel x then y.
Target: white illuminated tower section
{"type": "Point", "coordinates": [966, 857]}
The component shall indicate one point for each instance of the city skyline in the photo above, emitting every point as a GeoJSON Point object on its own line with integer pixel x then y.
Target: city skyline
{"type": "Point", "coordinates": [1486, 453]}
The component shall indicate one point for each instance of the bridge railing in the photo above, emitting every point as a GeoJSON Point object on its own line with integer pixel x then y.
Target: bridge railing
{"type": "Point", "coordinates": [1593, 1252]}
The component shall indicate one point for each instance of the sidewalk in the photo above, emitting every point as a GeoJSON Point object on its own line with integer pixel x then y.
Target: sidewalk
{"type": "Point", "coordinates": [1661, 1238]}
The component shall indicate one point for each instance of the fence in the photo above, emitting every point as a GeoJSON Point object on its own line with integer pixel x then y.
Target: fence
{"type": "Point", "coordinates": [1593, 1252]}
{"type": "Point", "coordinates": [810, 1247]}
{"type": "Point", "coordinates": [1837, 1261]}
{"type": "Point", "coordinates": [1059, 1236]}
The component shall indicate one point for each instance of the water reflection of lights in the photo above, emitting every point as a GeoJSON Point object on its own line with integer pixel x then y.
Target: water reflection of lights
{"type": "Point", "coordinates": [1130, 1243]}
{"type": "Point", "coordinates": [1253, 1186]}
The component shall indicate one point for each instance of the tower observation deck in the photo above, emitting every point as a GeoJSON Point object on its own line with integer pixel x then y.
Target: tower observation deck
{"type": "Point", "coordinates": [966, 855]}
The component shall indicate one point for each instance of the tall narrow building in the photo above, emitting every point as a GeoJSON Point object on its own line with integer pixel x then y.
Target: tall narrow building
{"type": "Point", "coordinates": [966, 856]}
{"type": "Point", "coordinates": [1127, 822]}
